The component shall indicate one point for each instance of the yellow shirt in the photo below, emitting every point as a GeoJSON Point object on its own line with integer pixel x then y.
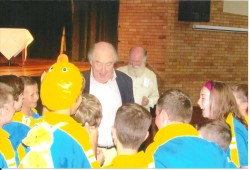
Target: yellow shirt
{"type": "Point", "coordinates": [138, 160]}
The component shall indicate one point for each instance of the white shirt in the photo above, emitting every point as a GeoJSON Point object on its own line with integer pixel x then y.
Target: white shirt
{"type": "Point", "coordinates": [110, 99]}
{"type": "Point", "coordinates": [145, 85]}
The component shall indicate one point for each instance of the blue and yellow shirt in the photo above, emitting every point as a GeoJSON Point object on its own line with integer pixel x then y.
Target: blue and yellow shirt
{"type": "Point", "coordinates": [17, 132]}
{"type": "Point", "coordinates": [238, 149]}
{"type": "Point", "coordinates": [6, 151]}
{"type": "Point", "coordinates": [27, 120]}
{"type": "Point", "coordinates": [179, 146]}
{"type": "Point", "coordinates": [3, 163]}
{"type": "Point", "coordinates": [71, 147]}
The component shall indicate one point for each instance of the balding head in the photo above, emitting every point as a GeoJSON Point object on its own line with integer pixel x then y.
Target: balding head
{"type": "Point", "coordinates": [104, 48]}
{"type": "Point", "coordinates": [137, 61]}
{"type": "Point", "coordinates": [138, 50]}
{"type": "Point", "coordinates": [102, 58]}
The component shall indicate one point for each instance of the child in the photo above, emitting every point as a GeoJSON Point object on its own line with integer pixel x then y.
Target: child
{"type": "Point", "coordinates": [18, 87]}
{"type": "Point", "coordinates": [240, 92]}
{"type": "Point", "coordinates": [17, 131]}
{"type": "Point", "coordinates": [6, 112]}
{"type": "Point", "coordinates": [89, 114]}
{"type": "Point", "coordinates": [218, 103]}
{"type": "Point", "coordinates": [176, 144]}
{"type": "Point", "coordinates": [217, 131]}
{"type": "Point", "coordinates": [28, 114]}
{"type": "Point", "coordinates": [61, 90]}
{"type": "Point", "coordinates": [130, 130]}
{"type": "Point", "coordinates": [89, 111]}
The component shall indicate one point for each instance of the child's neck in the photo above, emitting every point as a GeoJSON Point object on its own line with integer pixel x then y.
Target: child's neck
{"type": "Point", "coordinates": [27, 111]}
{"type": "Point", "coordinates": [124, 151]}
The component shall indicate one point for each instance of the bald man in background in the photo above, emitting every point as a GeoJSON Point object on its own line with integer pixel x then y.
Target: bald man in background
{"type": "Point", "coordinates": [145, 85]}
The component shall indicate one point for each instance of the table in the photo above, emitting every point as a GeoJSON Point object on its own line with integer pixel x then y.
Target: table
{"type": "Point", "coordinates": [13, 41]}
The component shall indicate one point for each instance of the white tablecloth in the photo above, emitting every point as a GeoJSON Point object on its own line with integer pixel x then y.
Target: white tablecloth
{"type": "Point", "coordinates": [13, 41]}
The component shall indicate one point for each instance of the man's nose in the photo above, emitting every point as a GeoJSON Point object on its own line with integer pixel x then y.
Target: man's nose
{"type": "Point", "coordinates": [103, 68]}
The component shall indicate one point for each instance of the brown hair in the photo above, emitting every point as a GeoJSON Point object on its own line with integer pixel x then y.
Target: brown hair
{"type": "Point", "coordinates": [28, 80]}
{"type": "Point", "coordinates": [5, 92]}
{"type": "Point", "coordinates": [217, 131]}
{"type": "Point", "coordinates": [132, 122]}
{"type": "Point", "coordinates": [14, 82]}
{"type": "Point", "coordinates": [90, 110]}
{"type": "Point", "coordinates": [223, 102]}
{"type": "Point", "coordinates": [178, 104]}
{"type": "Point", "coordinates": [241, 92]}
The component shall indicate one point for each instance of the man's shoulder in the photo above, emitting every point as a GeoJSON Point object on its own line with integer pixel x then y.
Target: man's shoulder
{"type": "Point", "coordinates": [150, 72]}
{"type": "Point", "coordinates": [123, 69]}
{"type": "Point", "coordinates": [121, 74]}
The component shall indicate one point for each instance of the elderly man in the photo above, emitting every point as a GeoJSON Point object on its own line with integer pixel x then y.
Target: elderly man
{"type": "Point", "coordinates": [144, 80]}
{"type": "Point", "coordinates": [113, 88]}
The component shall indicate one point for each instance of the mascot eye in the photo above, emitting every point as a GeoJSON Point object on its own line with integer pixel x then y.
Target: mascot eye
{"type": "Point", "coordinates": [65, 70]}
{"type": "Point", "coordinates": [51, 68]}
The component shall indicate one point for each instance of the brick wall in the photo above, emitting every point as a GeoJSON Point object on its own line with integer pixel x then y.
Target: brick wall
{"type": "Point", "coordinates": [181, 57]}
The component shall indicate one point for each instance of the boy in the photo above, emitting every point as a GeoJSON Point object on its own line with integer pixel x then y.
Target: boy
{"type": "Point", "coordinates": [176, 144]}
{"type": "Point", "coordinates": [28, 114]}
{"type": "Point", "coordinates": [7, 159]}
{"type": "Point", "coordinates": [16, 83]}
{"type": "Point", "coordinates": [89, 111]}
{"type": "Point", "coordinates": [17, 131]}
{"type": "Point", "coordinates": [217, 131]}
{"type": "Point", "coordinates": [61, 89]}
{"type": "Point", "coordinates": [89, 114]}
{"type": "Point", "coordinates": [130, 130]}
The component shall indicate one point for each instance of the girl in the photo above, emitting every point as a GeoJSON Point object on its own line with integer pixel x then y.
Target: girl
{"type": "Point", "coordinates": [217, 102]}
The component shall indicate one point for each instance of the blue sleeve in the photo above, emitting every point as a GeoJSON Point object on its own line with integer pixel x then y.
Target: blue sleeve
{"type": "Point", "coordinates": [17, 132]}
{"type": "Point", "coordinates": [3, 163]}
{"type": "Point", "coordinates": [241, 134]}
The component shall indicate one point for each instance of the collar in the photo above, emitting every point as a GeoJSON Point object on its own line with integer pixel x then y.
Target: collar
{"type": "Point", "coordinates": [54, 118]}
{"type": "Point", "coordinates": [175, 130]}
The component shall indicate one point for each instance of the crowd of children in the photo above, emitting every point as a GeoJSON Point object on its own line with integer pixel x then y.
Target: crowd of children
{"type": "Point", "coordinates": [65, 134]}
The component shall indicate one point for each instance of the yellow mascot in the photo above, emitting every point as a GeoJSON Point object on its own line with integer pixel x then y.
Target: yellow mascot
{"type": "Point", "coordinates": [59, 95]}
